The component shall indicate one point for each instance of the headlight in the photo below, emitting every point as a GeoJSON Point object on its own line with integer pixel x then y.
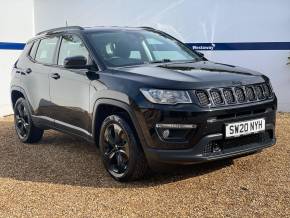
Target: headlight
{"type": "Point", "coordinates": [159, 96]}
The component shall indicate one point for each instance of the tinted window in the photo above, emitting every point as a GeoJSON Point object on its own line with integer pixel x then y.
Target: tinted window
{"type": "Point", "coordinates": [130, 47]}
{"type": "Point", "coordinates": [71, 46]}
{"type": "Point", "coordinates": [33, 49]}
{"type": "Point", "coordinates": [46, 50]}
{"type": "Point", "coordinates": [163, 50]}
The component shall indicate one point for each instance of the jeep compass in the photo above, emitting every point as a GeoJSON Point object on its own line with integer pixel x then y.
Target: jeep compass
{"type": "Point", "coordinates": [142, 96]}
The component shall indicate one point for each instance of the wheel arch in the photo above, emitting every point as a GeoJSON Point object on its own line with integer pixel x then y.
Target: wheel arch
{"type": "Point", "coordinates": [16, 93]}
{"type": "Point", "coordinates": [105, 107]}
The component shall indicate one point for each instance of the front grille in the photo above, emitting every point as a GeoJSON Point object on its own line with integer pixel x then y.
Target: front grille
{"type": "Point", "coordinates": [240, 95]}
{"type": "Point", "coordinates": [202, 98]}
{"type": "Point", "coordinates": [250, 93]}
{"type": "Point", "coordinates": [234, 95]}
{"type": "Point", "coordinates": [259, 92]}
{"type": "Point", "coordinates": [217, 97]}
{"type": "Point", "coordinates": [226, 144]}
{"type": "Point", "coordinates": [246, 140]}
{"type": "Point", "coordinates": [267, 90]}
{"type": "Point", "coordinates": [229, 96]}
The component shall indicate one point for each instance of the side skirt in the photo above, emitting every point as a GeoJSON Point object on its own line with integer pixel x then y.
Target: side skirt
{"type": "Point", "coordinates": [49, 123]}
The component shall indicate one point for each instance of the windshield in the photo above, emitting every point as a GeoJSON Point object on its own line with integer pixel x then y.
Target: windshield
{"type": "Point", "coordinates": [129, 47]}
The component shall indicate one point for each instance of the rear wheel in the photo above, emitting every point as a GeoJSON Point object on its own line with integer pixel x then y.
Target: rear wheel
{"type": "Point", "coordinates": [122, 156]}
{"type": "Point", "coordinates": [25, 129]}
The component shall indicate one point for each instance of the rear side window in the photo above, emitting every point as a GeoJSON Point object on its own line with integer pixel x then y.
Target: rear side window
{"type": "Point", "coordinates": [71, 46]}
{"type": "Point", "coordinates": [45, 51]}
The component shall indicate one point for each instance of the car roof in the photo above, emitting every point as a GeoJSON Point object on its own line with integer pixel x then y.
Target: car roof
{"type": "Point", "coordinates": [112, 28]}
{"type": "Point", "coordinates": [74, 29]}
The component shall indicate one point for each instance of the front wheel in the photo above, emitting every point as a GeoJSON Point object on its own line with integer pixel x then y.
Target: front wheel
{"type": "Point", "coordinates": [25, 129]}
{"type": "Point", "coordinates": [122, 156]}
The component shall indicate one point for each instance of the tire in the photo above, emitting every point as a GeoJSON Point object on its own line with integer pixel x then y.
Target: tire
{"type": "Point", "coordinates": [26, 131]}
{"type": "Point", "coordinates": [121, 152]}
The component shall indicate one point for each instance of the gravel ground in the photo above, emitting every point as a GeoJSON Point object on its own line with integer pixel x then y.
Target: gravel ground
{"type": "Point", "coordinates": [63, 176]}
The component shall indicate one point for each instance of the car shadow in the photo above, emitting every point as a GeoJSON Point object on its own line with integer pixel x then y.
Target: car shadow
{"type": "Point", "coordinates": [64, 159]}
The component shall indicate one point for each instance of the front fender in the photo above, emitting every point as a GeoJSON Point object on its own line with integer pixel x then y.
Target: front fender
{"type": "Point", "coordinates": [22, 91]}
{"type": "Point", "coordinates": [128, 106]}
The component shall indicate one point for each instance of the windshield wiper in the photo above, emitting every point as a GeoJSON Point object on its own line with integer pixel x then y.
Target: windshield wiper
{"type": "Point", "coordinates": [168, 60]}
{"type": "Point", "coordinates": [160, 61]}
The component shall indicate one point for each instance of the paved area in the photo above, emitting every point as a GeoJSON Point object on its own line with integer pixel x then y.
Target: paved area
{"type": "Point", "coordinates": [62, 176]}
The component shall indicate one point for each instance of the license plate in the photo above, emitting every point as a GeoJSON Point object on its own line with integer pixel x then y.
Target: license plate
{"type": "Point", "coordinates": [245, 128]}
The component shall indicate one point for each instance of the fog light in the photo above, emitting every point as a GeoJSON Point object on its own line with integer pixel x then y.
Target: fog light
{"type": "Point", "coordinates": [216, 148]}
{"type": "Point", "coordinates": [174, 132]}
{"type": "Point", "coordinates": [166, 133]}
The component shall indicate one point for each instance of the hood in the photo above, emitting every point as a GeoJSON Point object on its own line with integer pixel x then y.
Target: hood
{"type": "Point", "coordinates": [194, 74]}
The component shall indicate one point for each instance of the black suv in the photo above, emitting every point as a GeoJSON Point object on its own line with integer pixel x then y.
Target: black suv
{"type": "Point", "coordinates": [143, 96]}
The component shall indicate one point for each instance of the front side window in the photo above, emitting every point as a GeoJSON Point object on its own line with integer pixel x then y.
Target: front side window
{"type": "Point", "coordinates": [33, 49]}
{"type": "Point", "coordinates": [45, 51]}
{"type": "Point", "coordinates": [71, 46]}
{"type": "Point", "coordinates": [131, 47]}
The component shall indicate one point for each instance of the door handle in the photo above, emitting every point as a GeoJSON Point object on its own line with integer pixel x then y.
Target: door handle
{"type": "Point", "coordinates": [28, 70]}
{"type": "Point", "coordinates": [55, 76]}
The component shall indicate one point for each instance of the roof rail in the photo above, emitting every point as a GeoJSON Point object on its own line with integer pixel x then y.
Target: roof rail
{"type": "Point", "coordinates": [60, 29]}
{"type": "Point", "coordinates": [147, 27]}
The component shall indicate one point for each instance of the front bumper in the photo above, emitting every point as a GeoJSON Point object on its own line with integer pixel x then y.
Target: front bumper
{"type": "Point", "coordinates": [196, 155]}
{"type": "Point", "coordinates": [198, 146]}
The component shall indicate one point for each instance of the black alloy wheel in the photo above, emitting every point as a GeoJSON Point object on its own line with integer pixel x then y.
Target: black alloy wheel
{"type": "Point", "coordinates": [122, 155]}
{"type": "Point", "coordinates": [116, 149]}
{"type": "Point", "coordinates": [22, 120]}
{"type": "Point", "coordinates": [25, 129]}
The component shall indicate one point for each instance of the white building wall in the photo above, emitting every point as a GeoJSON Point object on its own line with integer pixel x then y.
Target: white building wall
{"type": "Point", "coordinates": [193, 21]}
{"type": "Point", "coordinates": [16, 25]}
{"type": "Point", "coordinates": [199, 21]}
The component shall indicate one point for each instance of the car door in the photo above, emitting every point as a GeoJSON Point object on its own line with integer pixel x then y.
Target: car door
{"type": "Point", "coordinates": [35, 76]}
{"type": "Point", "coordinates": [70, 89]}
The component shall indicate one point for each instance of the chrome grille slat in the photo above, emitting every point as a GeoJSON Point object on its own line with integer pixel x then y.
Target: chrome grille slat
{"type": "Point", "coordinates": [215, 97]}
{"type": "Point", "coordinates": [222, 94]}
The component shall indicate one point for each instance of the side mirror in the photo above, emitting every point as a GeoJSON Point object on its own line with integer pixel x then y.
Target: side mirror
{"type": "Point", "coordinates": [75, 62]}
